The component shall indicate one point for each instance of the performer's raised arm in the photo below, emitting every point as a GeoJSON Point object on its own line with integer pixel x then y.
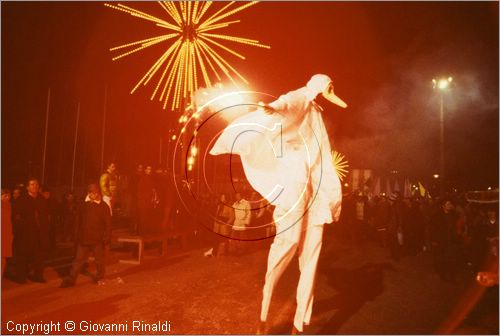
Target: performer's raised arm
{"type": "Point", "coordinates": [279, 104]}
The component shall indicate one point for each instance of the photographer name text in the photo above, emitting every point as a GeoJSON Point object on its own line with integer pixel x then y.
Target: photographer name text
{"type": "Point", "coordinates": [51, 327]}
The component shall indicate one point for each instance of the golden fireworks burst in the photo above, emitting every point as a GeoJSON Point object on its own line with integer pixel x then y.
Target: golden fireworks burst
{"type": "Point", "coordinates": [340, 163]}
{"type": "Point", "coordinates": [194, 52]}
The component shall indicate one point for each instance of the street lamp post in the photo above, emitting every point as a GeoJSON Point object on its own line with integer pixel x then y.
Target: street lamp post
{"type": "Point", "coordinates": [441, 141]}
{"type": "Point", "coordinates": [441, 84]}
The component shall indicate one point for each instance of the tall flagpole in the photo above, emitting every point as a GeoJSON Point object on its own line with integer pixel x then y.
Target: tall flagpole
{"type": "Point", "coordinates": [74, 148]}
{"type": "Point", "coordinates": [103, 126]}
{"type": "Point", "coordinates": [45, 138]}
{"type": "Point", "coordinates": [84, 155]}
{"type": "Point", "coordinates": [60, 158]}
{"type": "Point", "coordinates": [161, 149]}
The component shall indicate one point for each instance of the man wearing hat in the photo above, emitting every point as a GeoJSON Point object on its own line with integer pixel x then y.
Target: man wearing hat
{"type": "Point", "coordinates": [93, 232]}
{"type": "Point", "coordinates": [296, 175]}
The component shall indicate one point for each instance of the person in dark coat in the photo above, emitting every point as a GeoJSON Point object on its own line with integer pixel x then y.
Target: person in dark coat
{"type": "Point", "coordinates": [68, 217]}
{"type": "Point", "coordinates": [445, 241]}
{"type": "Point", "coordinates": [133, 190]}
{"type": "Point", "coordinates": [147, 201]}
{"type": "Point", "coordinates": [32, 217]}
{"type": "Point", "coordinates": [395, 227]}
{"type": "Point", "coordinates": [415, 228]}
{"type": "Point", "coordinates": [54, 218]}
{"type": "Point", "coordinates": [484, 233]}
{"type": "Point", "coordinates": [381, 218]}
{"type": "Point", "coordinates": [93, 233]}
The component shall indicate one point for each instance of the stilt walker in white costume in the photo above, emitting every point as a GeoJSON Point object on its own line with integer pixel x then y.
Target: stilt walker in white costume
{"type": "Point", "coordinates": [286, 156]}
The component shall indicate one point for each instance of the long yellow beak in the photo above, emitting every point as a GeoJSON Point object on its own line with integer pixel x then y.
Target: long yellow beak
{"type": "Point", "coordinates": [331, 97]}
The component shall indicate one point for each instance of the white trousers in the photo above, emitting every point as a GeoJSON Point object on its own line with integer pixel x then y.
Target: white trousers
{"type": "Point", "coordinates": [107, 200]}
{"type": "Point", "coordinates": [293, 236]}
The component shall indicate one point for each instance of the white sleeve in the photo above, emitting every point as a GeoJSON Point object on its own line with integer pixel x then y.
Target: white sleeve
{"type": "Point", "coordinates": [280, 104]}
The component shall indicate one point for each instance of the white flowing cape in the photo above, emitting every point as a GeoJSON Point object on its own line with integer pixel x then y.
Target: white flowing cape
{"type": "Point", "coordinates": [287, 147]}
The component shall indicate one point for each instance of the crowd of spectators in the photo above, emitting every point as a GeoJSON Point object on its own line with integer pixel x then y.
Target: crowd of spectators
{"type": "Point", "coordinates": [460, 235]}
{"type": "Point", "coordinates": [37, 223]}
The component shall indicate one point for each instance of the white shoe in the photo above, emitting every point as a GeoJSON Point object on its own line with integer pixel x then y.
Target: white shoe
{"type": "Point", "coordinates": [209, 253]}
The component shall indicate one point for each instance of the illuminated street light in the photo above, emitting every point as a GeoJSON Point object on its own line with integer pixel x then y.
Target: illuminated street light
{"type": "Point", "coordinates": [436, 176]}
{"type": "Point", "coordinates": [442, 85]}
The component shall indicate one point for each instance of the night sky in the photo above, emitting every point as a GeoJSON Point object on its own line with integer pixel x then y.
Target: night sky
{"type": "Point", "coordinates": [382, 57]}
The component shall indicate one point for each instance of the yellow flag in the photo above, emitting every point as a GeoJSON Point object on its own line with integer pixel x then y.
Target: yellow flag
{"type": "Point", "coordinates": [421, 189]}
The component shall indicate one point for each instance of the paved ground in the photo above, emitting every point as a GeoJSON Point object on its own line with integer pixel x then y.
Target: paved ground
{"type": "Point", "coordinates": [359, 291]}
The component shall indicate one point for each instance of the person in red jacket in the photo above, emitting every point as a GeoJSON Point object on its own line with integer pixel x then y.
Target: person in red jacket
{"type": "Point", "coordinates": [6, 227]}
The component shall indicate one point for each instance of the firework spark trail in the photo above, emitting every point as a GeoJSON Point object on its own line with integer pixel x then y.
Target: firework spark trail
{"type": "Point", "coordinates": [193, 52]}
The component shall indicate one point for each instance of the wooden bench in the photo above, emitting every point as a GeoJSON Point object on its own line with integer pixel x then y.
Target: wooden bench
{"type": "Point", "coordinates": [141, 241]}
